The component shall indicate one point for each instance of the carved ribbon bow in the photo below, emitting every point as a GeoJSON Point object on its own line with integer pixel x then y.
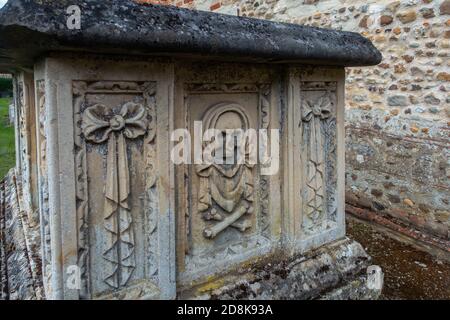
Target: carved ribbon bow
{"type": "Point", "coordinates": [320, 108]}
{"type": "Point", "coordinates": [313, 113]}
{"type": "Point", "coordinates": [101, 123]}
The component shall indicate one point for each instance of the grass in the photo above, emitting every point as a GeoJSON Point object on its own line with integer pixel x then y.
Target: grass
{"type": "Point", "coordinates": [7, 149]}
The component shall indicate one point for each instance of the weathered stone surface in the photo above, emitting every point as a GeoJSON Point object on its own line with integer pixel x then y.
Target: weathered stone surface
{"type": "Point", "coordinates": [407, 16]}
{"type": "Point", "coordinates": [427, 13]}
{"type": "Point", "coordinates": [115, 160]}
{"type": "Point", "coordinates": [364, 22]}
{"type": "Point", "coordinates": [107, 198]}
{"type": "Point", "coordinates": [409, 172]}
{"type": "Point", "coordinates": [151, 29]}
{"type": "Point", "coordinates": [386, 20]}
{"type": "Point", "coordinates": [431, 99]}
{"type": "Point", "coordinates": [443, 76]}
{"type": "Point", "coordinates": [95, 95]}
{"type": "Point", "coordinates": [408, 202]}
{"type": "Point", "coordinates": [216, 232]}
{"type": "Point", "coordinates": [301, 277]}
{"type": "Point", "coordinates": [357, 289]}
{"type": "Point", "coordinates": [393, 6]}
{"type": "Point", "coordinates": [397, 100]}
{"type": "Point", "coordinates": [414, 124]}
{"type": "Point", "coordinates": [444, 8]}
{"type": "Point", "coordinates": [19, 246]}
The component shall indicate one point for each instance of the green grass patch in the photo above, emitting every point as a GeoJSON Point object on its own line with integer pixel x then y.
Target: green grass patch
{"type": "Point", "coordinates": [6, 85]}
{"type": "Point", "coordinates": [7, 149]}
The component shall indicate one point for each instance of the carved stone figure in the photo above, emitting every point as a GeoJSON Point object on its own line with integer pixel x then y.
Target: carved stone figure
{"type": "Point", "coordinates": [102, 123]}
{"type": "Point", "coordinates": [226, 190]}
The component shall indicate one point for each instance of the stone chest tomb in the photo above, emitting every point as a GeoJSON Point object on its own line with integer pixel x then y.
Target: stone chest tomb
{"type": "Point", "coordinates": [96, 110]}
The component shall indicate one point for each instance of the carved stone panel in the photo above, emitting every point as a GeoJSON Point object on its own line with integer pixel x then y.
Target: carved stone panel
{"type": "Point", "coordinates": [314, 161]}
{"type": "Point", "coordinates": [117, 209]}
{"type": "Point", "coordinates": [317, 132]}
{"type": "Point", "coordinates": [226, 206]}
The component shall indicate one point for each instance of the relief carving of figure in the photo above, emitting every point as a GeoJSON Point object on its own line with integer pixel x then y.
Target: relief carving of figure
{"type": "Point", "coordinates": [100, 124]}
{"type": "Point", "coordinates": [226, 191]}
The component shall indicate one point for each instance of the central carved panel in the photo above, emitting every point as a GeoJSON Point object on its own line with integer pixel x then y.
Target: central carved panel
{"type": "Point", "coordinates": [226, 203]}
{"type": "Point", "coordinates": [226, 192]}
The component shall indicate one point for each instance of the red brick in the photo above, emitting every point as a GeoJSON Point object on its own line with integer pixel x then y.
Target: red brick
{"type": "Point", "coordinates": [393, 224]}
{"type": "Point", "coordinates": [215, 6]}
{"type": "Point", "coordinates": [164, 2]}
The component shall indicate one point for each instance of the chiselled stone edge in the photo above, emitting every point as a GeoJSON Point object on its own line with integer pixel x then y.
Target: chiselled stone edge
{"type": "Point", "coordinates": [329, 272]}
{"type": "Point", "coordinates": [29, 28]}
{"type": "Point", "coordinates": [20, 265]}
{"type": "Point", "coordinates": [356, 289]}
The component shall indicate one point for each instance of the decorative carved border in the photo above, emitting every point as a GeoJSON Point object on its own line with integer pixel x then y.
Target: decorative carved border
{"type": "Point", "coordinates": [22, 129]}
{"type": "Point", "coordinates": [222, 88]}
{"type": "Point", "coordinates": [331, 174]}
{"type": "Point", "coordinates": [24, 144]}
{"type": "Point", "coordinates": [80, 90]}
{"type": "Point", "coordinates": [264, 119]}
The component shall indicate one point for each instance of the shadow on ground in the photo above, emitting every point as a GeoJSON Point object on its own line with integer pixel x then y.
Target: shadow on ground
{"type": "Point", "coordinates": [408, 273]}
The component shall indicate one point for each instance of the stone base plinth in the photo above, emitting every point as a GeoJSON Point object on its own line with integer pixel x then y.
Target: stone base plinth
{"type": "Point", "coordinates": [335, 271]}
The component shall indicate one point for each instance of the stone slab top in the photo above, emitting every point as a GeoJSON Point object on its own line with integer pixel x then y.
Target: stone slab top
{"type": "Point", "coordinates": [31, 28]}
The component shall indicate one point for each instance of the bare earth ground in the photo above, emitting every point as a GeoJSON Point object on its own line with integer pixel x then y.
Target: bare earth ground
{"type": "Point", "coordinates": [408, 272]}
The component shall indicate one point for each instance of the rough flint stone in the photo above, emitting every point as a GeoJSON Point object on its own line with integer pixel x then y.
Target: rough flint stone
{"type": "Point", "coordinates": [30, 28]}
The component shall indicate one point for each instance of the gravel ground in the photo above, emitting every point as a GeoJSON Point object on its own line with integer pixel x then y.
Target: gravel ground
{"type": "Point", "coordinates": [408, 273]}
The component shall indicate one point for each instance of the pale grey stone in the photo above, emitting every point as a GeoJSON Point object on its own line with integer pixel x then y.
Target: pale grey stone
{"type": "Point", "coordinates": [398, 100]}
{"type": "Point", "coordinates": [431, 99]}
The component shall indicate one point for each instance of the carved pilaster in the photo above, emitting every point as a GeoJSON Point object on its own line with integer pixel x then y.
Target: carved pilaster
{"type": "Point", "coordinates": [264, 192]}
